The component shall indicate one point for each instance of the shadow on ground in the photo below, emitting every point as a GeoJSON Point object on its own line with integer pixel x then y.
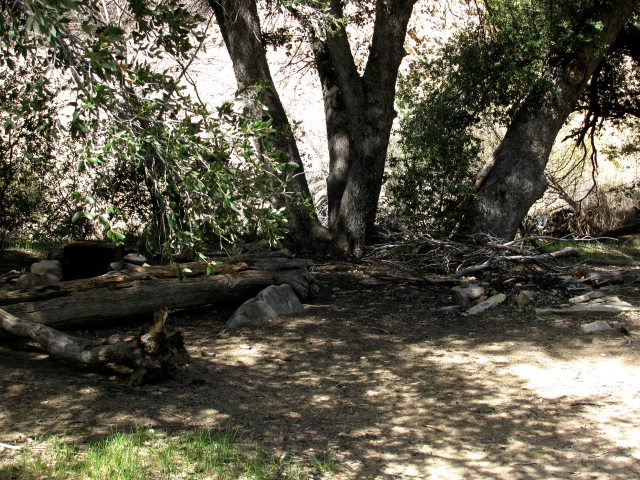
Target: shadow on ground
{"type": "Point", "coordinates": [374, 378]}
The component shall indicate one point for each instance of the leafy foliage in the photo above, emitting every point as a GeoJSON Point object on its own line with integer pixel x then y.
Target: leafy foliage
{"type": "Point", "coordinates": [458, 93]}
{"type": "Point", "coordinates": [28, 131]}
{"type": "Point", "coordinates": [157, 156]}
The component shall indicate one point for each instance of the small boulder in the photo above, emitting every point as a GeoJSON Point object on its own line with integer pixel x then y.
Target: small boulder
{"type": "Point", "coordinates": [52, 267]}
{"type": "Point", "coordinates": [31, 280]}
{"type": "Point", "coordinates": [524, 298]}
{"type": "Point", "coordinates": [271, 302]}
{"type": "Point", "coordinates": [465, 295]}
{"type": "Point", "coordinates": [134, 259]}
{"type": "Point", "coordinates": [597, 326]}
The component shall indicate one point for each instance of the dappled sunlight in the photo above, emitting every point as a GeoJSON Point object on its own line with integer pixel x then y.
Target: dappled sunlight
{"type": "Point", "coordinates": [386, 394]}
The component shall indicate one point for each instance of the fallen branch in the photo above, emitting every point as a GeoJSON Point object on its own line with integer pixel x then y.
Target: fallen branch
{"type": "Point", "coordinates": [147, 289]}
{"type": "Point", "coordinates": [565, 252]}
{"type": "Point", "coordinates": [153, 355]}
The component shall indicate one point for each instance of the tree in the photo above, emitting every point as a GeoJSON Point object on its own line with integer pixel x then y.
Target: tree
{"type": "Point", "coordinates": [359, 107]}
{"type": "Point", "coordinates": [519, 65]}
{"type": "Point", "coordinates": [517, 178]}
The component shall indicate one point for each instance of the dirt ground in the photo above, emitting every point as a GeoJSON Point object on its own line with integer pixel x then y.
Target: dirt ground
{"type": "Point", "coordinates": [375, 378]}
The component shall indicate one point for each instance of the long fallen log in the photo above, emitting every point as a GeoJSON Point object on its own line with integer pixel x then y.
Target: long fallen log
{"type": "Point", "coordinates": [153, 355]}
{"type": "Point", "coordinates": [148, 289]}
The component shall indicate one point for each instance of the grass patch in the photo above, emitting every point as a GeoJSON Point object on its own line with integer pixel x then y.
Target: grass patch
{"type": "Point", "coordinates": [36, 247]}
{"type": "Point", "coordinates": [146, 454]}
{"type": "Point", "coordinates": [593, 250]}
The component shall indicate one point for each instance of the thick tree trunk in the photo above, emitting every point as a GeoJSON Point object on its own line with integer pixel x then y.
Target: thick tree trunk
{"type": "Point", "coordinates": [152, 355]}
{"type": "Point", "coordinates": [240, 27]}
{"type": "Point", "coordinates": [517, 178]}
{"type": "Point", "coordinates": [359, 113]}
{"type": "Point", "coordinates": [359, 108]}
{"type": "Point", "coordinates": [148, 289]}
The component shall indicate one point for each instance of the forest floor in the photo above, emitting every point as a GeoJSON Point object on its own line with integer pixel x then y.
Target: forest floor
{"type": "Point", "coordinates": [374, 378]}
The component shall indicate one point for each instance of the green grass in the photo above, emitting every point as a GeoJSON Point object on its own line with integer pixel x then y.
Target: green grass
{"type": "Point", "coordinates": [145, 454]}
{"type": "Point", "coordinates": [37, 247]}
{"type": "Point", "coordinates": [594, 249]}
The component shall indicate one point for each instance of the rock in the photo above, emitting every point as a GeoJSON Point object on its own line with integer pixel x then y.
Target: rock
{"type": "Point", "coordinates": [488, 303]}
{"type": "Point", "coordinates": [587, 296]}
{"type": "Point", "coordinates": [271, 302]}
{"type": "Point", "coordinates": [134, 259]}
{"type": "Point", "coordinates": [52, 267]}
{"type": "Point", "coordinates": [31, 280]}
{"type": "Point", "coordinates": [371, 281]}
{"type": "Point", "coordinates": [597, 326]}
{"type": "Point", "coordinates": [589, 308]}
{"type": "Point", "coordinates": [524, 298]}
{"type": "Point", "coordinates": [465, 295]}
{"type": "Point", "coordinates": [447, 309]}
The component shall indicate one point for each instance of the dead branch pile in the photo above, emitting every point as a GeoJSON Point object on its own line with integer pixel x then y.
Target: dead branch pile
{"type": "Point", "coordinates": [424, 254]}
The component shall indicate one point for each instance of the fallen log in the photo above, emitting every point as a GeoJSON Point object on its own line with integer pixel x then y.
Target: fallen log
{"type": "Point", "coordinates": [148, 289]}
{"type": "Point", "coordinates": [153, 355]}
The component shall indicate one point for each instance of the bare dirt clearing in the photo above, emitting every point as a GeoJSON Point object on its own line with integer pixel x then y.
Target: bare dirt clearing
{"type": "Point", "coordinates": [372, 376]}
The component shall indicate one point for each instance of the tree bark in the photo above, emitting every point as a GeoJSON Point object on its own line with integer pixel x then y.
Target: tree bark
{"type": "Point", "coordinates": [358, 108]}
{"type": "Point", "coordinates": [517, 178]}
{"type": "Point", "coordinates": [152, 355]}
{"type": "Point", "coordinates": [239, 24]}
{"type": "Point", "coordinates": [359, 112]}
{"type": "Point", "coordinates": [148, 289]}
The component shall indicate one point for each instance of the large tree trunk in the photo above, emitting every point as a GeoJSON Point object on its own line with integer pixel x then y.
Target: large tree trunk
{"type": "Point", "coordinates": [359, 108]}
{"type": "Point", "coordinates": [149, 289]}
{"type": "Point", "coordinates": [240, 27]}
{"type": "Point", "coordinates": [517, 178]}
{"type": "Point", "coordinates": [359, 113]}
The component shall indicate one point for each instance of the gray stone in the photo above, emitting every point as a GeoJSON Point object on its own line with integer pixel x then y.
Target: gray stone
{"type": "Point", "coordinates": [447, 309]}
{"type": "Point", "coordinates": [271, 302]}
{"type": "Point", "coordinates": [135, 259]}
{"type": "Point", "coordinates": [589, 308]}
{"type": "Point", "coordinates": [587, 296]}
{"type": "Point", "coordinates": [597, 326]}
{"type": "Point", "coordinates": [52, 267]}
{"type": "Point", "coordinates": [488, 303]}
{"type": "Point", "coordinates": [524, 298]}
{"type": "Point", "coordinates": [465, 295]}
{"type": "Point", "coordinates": [31, 280]}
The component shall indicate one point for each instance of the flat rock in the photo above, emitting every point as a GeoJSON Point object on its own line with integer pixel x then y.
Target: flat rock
{"type": "Point", "coordinates": [589, 308]}
{"type": "Point", "coordinates": [587, 296]}
{"type": "Point", "coordinates": [597, 326]}
{"type": "Point", "coordinates": [271, 302]}
{"type": "Point", "coordinates": [488, 303]}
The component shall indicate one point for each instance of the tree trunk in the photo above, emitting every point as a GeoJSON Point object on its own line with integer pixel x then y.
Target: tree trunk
{"type": "Point", "coordinates": [517, 178]}
{"type": "Point", "coordinates": [359, 108]}
{"type": "Point", "coordinates": [152, 355]}
{"type": "Point", "coordinates": [240, 27]}
{"type": "Point", "coordinates": [359, 113]}
{"type": "Point", "coordinates": [148, 289]}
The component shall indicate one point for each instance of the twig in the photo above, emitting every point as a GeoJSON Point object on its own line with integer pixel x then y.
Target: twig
{"type": "Point", "coordinates": [10, 447]}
